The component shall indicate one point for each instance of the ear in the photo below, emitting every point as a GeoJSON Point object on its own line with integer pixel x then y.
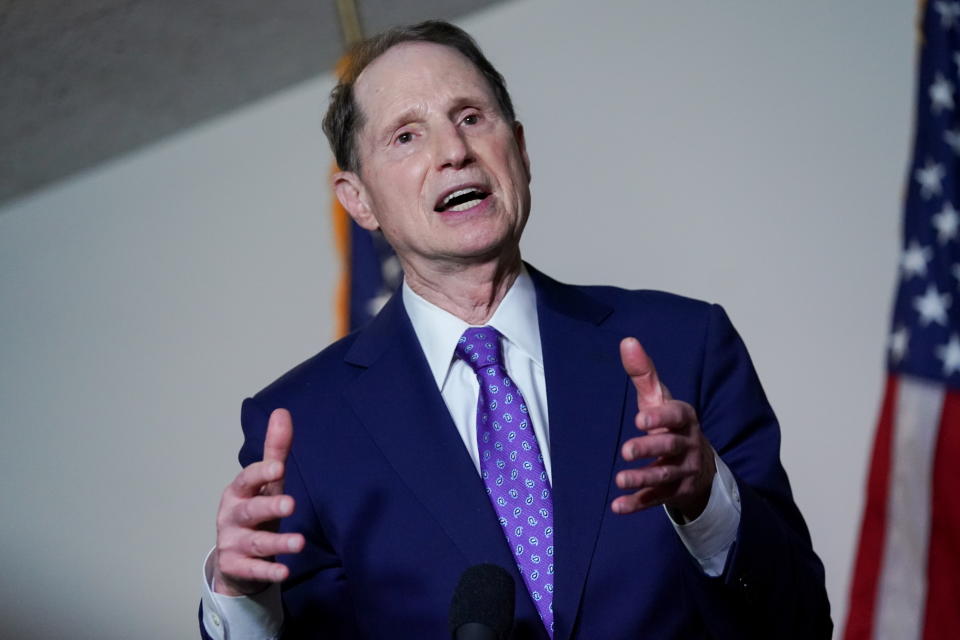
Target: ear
{"type": "Point", "coordinates": [522, 146]}
{"type": "Point", "coordinates": [352, 194]}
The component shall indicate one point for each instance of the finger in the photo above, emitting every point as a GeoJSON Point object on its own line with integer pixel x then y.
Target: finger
{"type": "Point", "coordinates": [643, 374]}
{"type": "Point", "coordinates": [258, 543]}
{"type": "Point", "coordinates": [276, 445]}
{"type": "Point", "coordinates": [638, 501]}
{"type": "Point", "coordinates": [266, 544]}
{"type": "Point", "coordinates": [235, 567]}
{"type": "Point", "coordinates": [653, 476]}
{"type": "Point", "coordinates": [258, 510]}
{"type": "Point", "coordinates": [671, 415]}
{"type": "Point", "coordinates": [659, 445]}
{"type": "Point", "coordinates": [279, 438]}
{"type": "Point", "coordinates": [254, 477]}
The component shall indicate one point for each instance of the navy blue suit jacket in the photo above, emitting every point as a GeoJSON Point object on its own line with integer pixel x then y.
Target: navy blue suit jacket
{"type": "Point", "coordinates": [393, 509]}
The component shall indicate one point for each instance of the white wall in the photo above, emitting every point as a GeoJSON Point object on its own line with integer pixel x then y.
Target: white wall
{"type": "Point", "coordinates": [744, 152]}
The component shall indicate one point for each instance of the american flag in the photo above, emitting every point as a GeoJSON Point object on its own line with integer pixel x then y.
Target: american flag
{"type": "Point", "coordinates": [370, 272]}
{"type": "Point", "coordinates": [375, 274]}
{"type": "Point", "coordinates": [906, 580]}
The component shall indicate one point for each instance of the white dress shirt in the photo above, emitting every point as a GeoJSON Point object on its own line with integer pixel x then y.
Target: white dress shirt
{"type": "Point", "coordinates": [708, 538]}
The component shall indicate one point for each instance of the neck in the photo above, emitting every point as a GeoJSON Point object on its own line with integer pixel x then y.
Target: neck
{"type": "Point", "coordinates": [472, 292]}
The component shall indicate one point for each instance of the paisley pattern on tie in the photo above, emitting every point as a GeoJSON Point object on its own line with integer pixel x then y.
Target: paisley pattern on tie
{"type": "Point", "coordinates": [512, 466]}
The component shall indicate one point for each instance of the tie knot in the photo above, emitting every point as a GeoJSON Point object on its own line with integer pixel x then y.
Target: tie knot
{"type": "Point", "coordinates": [479, 347]}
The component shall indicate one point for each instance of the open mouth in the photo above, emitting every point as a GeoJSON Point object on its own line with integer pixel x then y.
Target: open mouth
{"type": "Point", "coordinates": [461, 200]}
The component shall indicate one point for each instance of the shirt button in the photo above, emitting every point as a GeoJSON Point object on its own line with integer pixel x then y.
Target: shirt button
{"type": "Point", "coordinates": [215, 619]}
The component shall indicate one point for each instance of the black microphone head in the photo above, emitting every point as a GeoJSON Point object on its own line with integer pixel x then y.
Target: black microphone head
{"type": "Point", "coordinates": [485, 596]}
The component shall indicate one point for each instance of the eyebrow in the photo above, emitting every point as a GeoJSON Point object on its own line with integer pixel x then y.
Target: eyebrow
{"type": "Point", "coordinates": [409, 115]}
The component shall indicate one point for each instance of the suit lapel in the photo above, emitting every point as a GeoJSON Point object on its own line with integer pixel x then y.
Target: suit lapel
{"type": "Point", "coordinates": [585, 394]}
{"type": "Point", "coordinates": [399, 404]}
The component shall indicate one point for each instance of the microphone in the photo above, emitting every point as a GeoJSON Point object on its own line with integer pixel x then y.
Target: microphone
{"type": "Point", "coordinates": [482, 604]}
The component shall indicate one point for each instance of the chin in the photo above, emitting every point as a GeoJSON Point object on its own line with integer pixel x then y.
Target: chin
{"type": "Point", "coordinates": [486, 251]}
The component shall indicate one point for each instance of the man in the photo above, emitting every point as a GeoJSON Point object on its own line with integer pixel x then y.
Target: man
{"type": "Point", "coordinates": [491, 414]}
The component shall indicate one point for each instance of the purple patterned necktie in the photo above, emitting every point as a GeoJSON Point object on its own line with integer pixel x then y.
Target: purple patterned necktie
{"type": "Point", "coordinates": [512, 466]}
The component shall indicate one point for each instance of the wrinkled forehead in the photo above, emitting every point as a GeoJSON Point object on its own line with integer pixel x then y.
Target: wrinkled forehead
{"type": "Point", "coordinates": [414, 75]}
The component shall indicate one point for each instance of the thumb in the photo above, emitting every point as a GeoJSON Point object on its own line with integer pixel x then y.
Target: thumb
{"type": "Point", "coordinates": [277, 443]}
{"type": "Point", "coordinates": [643, 374]}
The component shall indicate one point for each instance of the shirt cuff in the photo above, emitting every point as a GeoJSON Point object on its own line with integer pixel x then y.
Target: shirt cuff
{"type": "Point", "coordinates": [709, 537]}
{"type": "Point", "coordinates": [256, 617]}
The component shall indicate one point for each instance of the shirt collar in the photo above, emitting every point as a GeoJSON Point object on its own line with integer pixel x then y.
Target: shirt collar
{"type": "Point", "coordinates": [438, 331]}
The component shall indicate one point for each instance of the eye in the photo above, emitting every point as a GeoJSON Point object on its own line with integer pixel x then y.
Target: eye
{"type": "Point", "coordinates": [404, 138]}
{"type": "Point", "coordinates": [471, 119]}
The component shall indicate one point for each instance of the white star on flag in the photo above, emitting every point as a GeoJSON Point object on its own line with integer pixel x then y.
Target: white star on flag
{"type": "Point", "coordinates": [391, 269]}
{"type": "Point", "coordinates": [932, 306]}
{"type": "Point", "coordinates": [376, 303]}
{"type": "Point", "coordinates": [929, 178]}
{"type": "Point", "coordinates": [898, 343]}
{"type": "Point", "coordinates": [946, 223]}
{"type": "Point", "coordinates": [915, 259]}
{"type": "Point", "coordinates": [952, 137]}
{"type": "Point", "coordinates": [941, 94]}
{"type": "Point", "coordinates": [950, 354]}
{"type": "Point", "coordinates": [949, 12]}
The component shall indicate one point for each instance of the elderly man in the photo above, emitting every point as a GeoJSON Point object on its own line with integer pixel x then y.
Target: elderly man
{"type": "Point", "coordinates": [492, 414]}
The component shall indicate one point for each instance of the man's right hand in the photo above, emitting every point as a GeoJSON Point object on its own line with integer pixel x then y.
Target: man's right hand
{"type": "Point", "coordinates": [250, 510]}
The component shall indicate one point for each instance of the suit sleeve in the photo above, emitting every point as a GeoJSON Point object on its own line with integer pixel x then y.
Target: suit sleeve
{"type": "Point", "coordinates": [773, 583]}
{"type": "Point", "coordinates": [316, 600]}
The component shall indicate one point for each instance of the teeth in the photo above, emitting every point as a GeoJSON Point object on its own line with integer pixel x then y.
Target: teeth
{"type": "Point", "coordinates": [463, 206]}
{"type": "Point", "coordinates": [456, 194]}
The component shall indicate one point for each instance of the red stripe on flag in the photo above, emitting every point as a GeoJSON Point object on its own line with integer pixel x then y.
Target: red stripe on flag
{"type": "Point", "coordinates": [942, 615]}
{"type": "Point", "coordinates": [863, 590]}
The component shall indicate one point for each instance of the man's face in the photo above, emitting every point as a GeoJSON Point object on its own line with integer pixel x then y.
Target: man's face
{"type": "Point", "coordinates": [442, 173]}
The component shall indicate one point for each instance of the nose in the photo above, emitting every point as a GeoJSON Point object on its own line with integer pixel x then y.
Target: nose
{"type": "Point", "coordinates": [451, 148]}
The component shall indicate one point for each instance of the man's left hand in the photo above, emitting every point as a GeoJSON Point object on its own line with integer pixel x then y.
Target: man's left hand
{"type": "Point", "coordinates": [682, 471]}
